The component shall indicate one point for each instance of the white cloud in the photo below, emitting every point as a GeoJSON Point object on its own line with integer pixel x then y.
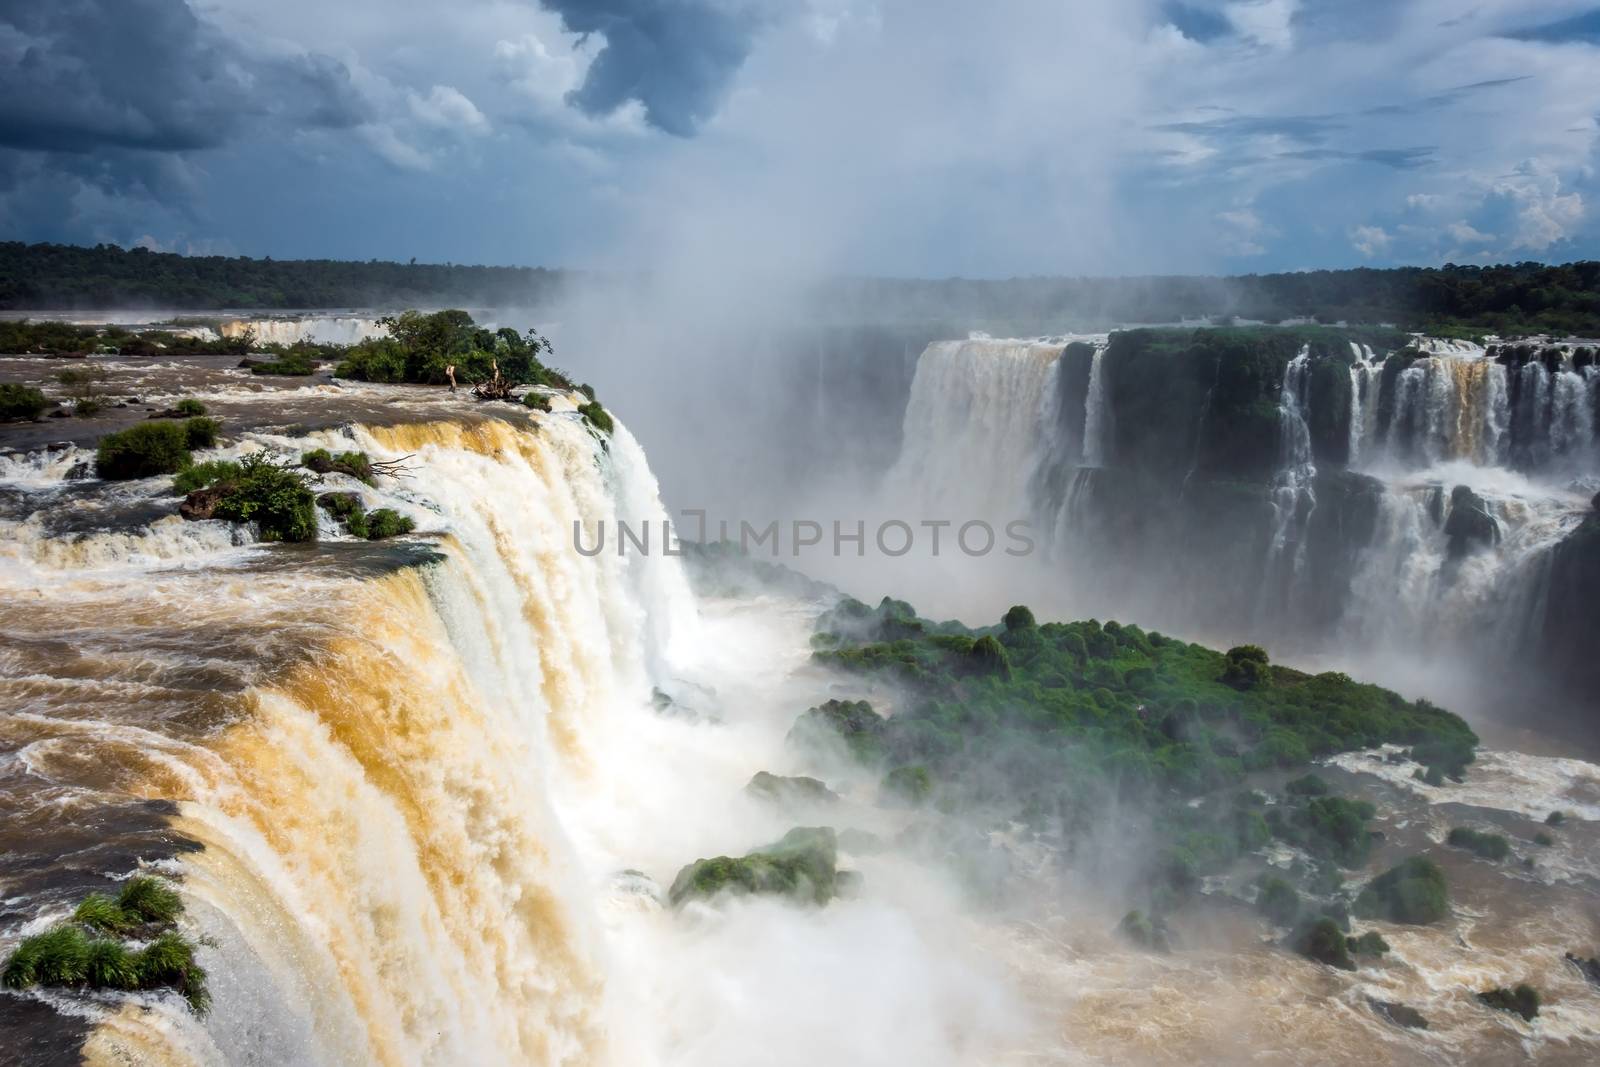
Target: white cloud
{"type": "Point", "coordinates": [1424, 201]}
{"type": "Point", "coordinates": [447, 108]}
{"type": "Point", "coordinates": [1543, 213]}
{"type": "Point", "coordinates": [1463, 233]}
{"type": "Point", "coordinates": [388, 145]}
{"type": "Point", "coordinates": [1370, 240]}
{"type": "Point", "coordinates": [1244, 232]}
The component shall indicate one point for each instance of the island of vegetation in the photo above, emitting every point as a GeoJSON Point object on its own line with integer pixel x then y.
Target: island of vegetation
{"type": "Point", "coordinates": [1054, 725]}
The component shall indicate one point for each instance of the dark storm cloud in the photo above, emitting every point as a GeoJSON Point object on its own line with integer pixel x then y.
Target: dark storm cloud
{"type": "Point", "coordinates": [1585, 27]}
{"type": "Point", "coordinates": [675, 57]}
{"type": "Point", "coordinates": [80, 76]}
{"type": "Point", "coordinates": [1398, 158]}
{"type": "Point", "coordinates": [1196, 23]}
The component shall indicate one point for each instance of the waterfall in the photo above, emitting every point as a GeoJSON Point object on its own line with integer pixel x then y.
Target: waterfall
{"type": "Point", "coordinates": [1293, 494]}
{"type": "Point", "coordinates": [1096, 419]}
{"type": "Point", "coordinates": [1366, 371]}
{"type": "Point", "coordinates": [977, 427]}
{"type": "Point", "coordinates": [368, 743]}
{"type": "Point", "coordinates": [322, 329]}
{"type": "Point", "coordinates": [1409, 591]}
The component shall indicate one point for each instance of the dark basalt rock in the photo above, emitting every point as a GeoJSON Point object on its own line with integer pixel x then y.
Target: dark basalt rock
{"type": "Point", "coordinates": [1470, 526]}
{"type": "Point", "coordinates": [1398, 1014]}
{"type": "Point", "coordinates": [1588, 966]}
{"type": "Point", "coordinates": [202, 503]}
{"type": "Point", "coordinates": [1523, 1001]}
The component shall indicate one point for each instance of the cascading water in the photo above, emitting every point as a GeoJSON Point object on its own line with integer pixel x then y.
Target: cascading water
{"type": "Point", "coordinates": [1330, 552]}
{"type": "Point", "coordinates": [365, 746]}
{"type": "Point", "coordinates": [977, 427]}
{"type": "Point", "coordinates": [1096, 418]}
{"type": "Point", "coordinates": [1294, 496]}
{"type": "Point", "coordinates": [344, 330]}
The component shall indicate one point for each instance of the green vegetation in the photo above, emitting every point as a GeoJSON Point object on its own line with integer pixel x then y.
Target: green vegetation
{"type": "Point", "coordinates": [75, 955]}
{"type": "Point", "coordinates": [1278, 901]}
{"type": "Point", "coordinates": [1413, 892]}
{"type": "Point", "coordinates": [201, 433]}
{"type": "Point", "coordinates": [1147, 932]}
{"type": "Point", "coordinates": [1072, 720]}
{"type": "Point", "coordinates": [140, 902]}
{"type": "Point", "coordinates": [1503, 299]}
{"type": "Point", "coordinates": [66, 339]}
{"type": "Point", "coordinates": [597, 416]}
{"type": "Point", "coordinates": [422, 347]}
{"type": "Point", "coordinates": [143, 451]}
{"type": "Point", "coordinates": [803, 866]}
{"type": "Point", "coordinates": [536, 401]}
{"type": "Point", "coordinates": [1555, 818]}
{"type": "Point", "coordinates": [82, 383]}
{"type": "Point", "coordinates": [1323, 941]}
{"type": "Point", "coordinates": [201, 475]}
{"type": "Point", "coordinates": [852, 722]}
{"type": "Point", "coordinates": [1524, 1000]}
{"type": "Point", "coordinates": [909, 785]}
{"type": "Point", "coordinates": [386, 522]}
{"type": "Point", "coordinates": [273, 495]}
{"type": "Point", "coordinates": [1370, 943]}
{"type": "Point", "coordinates": [355, 464]}
{"type": "Point", "coordinates": [1542, 838]}
{"type": "Point", "coordinates": [189, 408]}
{"type": "Point", "coordinates": [21, 403]}
{"type": "Point", "coordinates": [358, 522]}
{"type": "Point", "coordinates": [1330, 828]}
{"type": "Point", "coordinates": [1309, 785]}
{"type": "Point", "coordinates": [295, 361]}
{"type": "Point", "coordinates": [1485, 846]}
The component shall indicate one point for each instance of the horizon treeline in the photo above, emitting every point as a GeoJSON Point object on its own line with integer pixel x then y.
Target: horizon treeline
{"type": "Point", "coordinates": [1507, 299]}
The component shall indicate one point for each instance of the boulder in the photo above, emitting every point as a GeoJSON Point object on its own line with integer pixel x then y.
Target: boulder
{"type": "Point", "coordinates": [1523, 1001]}
{"type": "Point", "coordinates": [802, 866]}
{"type": "Point", "coordinates": [1398, 1014]}
{"type": "Point", "coordinates": [202, 503]}
{"type": "Point", "coordinates": [1146, 931]}
{"type": "Point", "coordinates": [1588, 966]}
{"type": "Point", "coordinates": [790, 790]}
{"type": "Point", "coordinates": [1471, 525]}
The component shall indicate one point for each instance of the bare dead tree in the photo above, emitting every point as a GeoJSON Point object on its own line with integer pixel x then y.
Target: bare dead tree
{"type": "Point", "coordinates": [394, 468]}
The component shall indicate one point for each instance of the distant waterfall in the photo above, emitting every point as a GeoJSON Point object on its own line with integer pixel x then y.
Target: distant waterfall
{"type": "Point", "coordinates": [1096, 416]}
{"type": "Point", "coordinates": [322, 329]}
{"type": "Point", "coordinates": [1366, 375]}
{"type": "Point", "coordinates": [1294, 495]}
{"type": "Point", "coordinates": [977, 427]}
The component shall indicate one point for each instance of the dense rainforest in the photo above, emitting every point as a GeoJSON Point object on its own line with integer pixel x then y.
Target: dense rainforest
{"type": "Point", "coordinates": [1515, 298]}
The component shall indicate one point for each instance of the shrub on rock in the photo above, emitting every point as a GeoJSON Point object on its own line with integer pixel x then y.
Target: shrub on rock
{"type": "Point", "coordinates": [1413, 892]}
{"type": "Point", "coordinates": [143, 451]}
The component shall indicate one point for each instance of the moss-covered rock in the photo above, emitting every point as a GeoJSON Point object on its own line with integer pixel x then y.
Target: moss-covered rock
{"type": "Point", "coordinates": [802, 866]}
{"type": "Point", "coordinates": [1471, 524]}
{"type": "Point", "coordinates": [1413, 892]}
{"type": "Point", "coordinates": [1148, 932]}
{"type": "Point", "coordinates": [797, 789]}
{"type": "Point", "coordinates": [1486, 846]}
{"type": "Point", "coordinates": [911, 784]}
{"type": "Point", "coordinates": [852, 722]}
{"type": "Point", "coordinates": [1323, 941]}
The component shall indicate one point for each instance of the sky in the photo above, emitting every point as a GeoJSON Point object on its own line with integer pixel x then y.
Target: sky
{"type": "Point", "coordinates": [924, 138]}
